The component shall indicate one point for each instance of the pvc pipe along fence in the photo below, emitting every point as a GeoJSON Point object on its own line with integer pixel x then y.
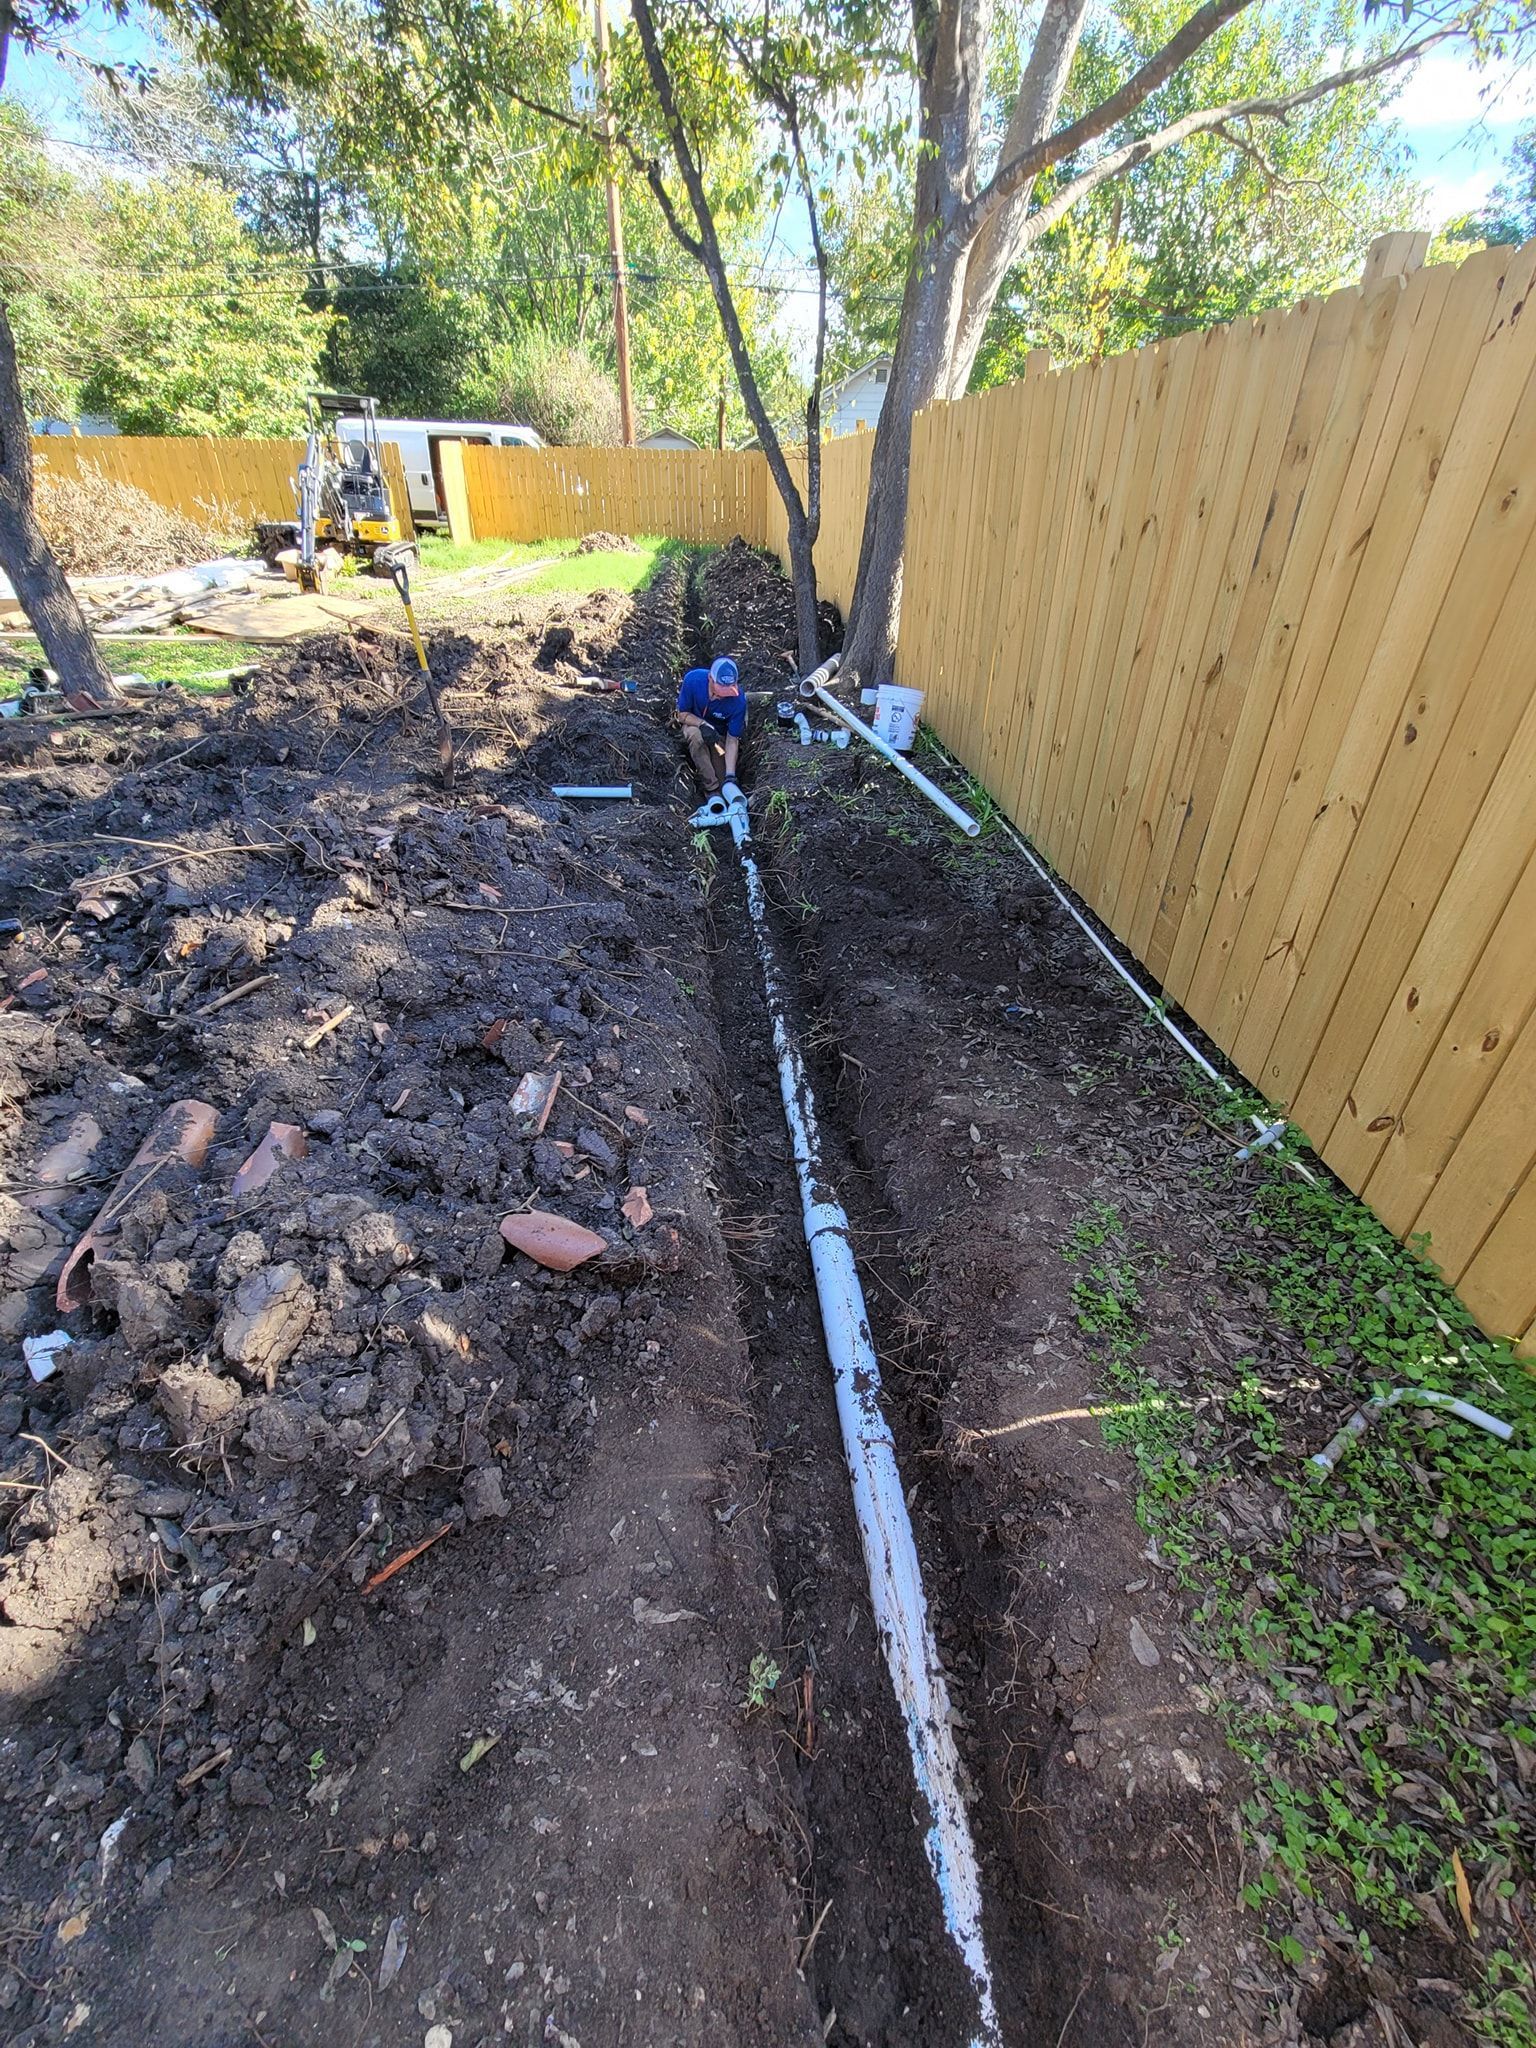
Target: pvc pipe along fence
{"type": "Point", "coordinates": [1269, 1133]}
{"type": "Point", "coordinates": [815, 686]}
{"type": "Point", "coordinates": [885, 1531]}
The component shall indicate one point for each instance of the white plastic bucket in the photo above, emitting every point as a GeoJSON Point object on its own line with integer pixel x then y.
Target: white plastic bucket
{"type": "Point", "coordinates": [896, 715]}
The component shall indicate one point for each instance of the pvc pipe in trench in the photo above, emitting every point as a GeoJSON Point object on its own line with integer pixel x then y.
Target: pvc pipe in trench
{"type": "Point", "coordinates": [885, 1531]}
{"type": "Point", "coordinates": [1268, 1132]}
{"type": "Point", "coordinates": [815, 686]}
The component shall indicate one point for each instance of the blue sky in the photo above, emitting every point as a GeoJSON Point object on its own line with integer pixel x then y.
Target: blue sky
{"type": "Point", "coordinates": [1459, 123]}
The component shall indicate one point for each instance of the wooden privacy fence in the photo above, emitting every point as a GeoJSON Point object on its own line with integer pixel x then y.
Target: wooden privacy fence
{"type": "Point", "coordinates": [194, 474]}
{"type": "Point", "coordinates": [549, 493]}
{"type": "Point", "coordinates": [1241, 630]}
{"type": "Point", "coordinates": [844, 489]}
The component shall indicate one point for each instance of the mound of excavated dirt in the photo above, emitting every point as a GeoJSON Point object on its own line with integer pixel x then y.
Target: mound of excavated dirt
{"type": "Point", "coordinates": [239, 1784]}
{"type": "Point", "coordinates": [603, 543]}
{"type": "Point", "coordinates": [746, 609]}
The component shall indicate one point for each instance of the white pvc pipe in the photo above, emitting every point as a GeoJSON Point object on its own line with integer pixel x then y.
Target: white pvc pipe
{"type": "Point", "coordinates": [815, 686]}
{"type": "Point", "coordinates": [1268, 1132]}
{"type": "Point", "coordinates": [1425, 1397]}
{"type": "Point", "coordinates": [885, 1530]}
{"type": "Point", "coordinates": [595, 789]}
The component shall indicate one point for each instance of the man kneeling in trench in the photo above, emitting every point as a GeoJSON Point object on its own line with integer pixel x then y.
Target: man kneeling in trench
{"type": "Point", "coordinates": [712, 711]}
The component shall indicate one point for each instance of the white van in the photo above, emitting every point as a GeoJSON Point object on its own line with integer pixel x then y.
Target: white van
{"type": "Point", "coordinates": [419, 441]}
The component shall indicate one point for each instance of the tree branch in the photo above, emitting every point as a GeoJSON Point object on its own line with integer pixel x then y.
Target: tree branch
{"type": "Point", "coordinates": [1116, 162]}
{"type": "Point", "coordinates": [705, 248]}
{"type": "Point", "coordinates": [1019, 171]}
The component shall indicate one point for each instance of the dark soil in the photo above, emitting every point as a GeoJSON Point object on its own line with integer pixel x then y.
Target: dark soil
{"type": "Point", "coordinates": [616, 1758]}
{"type": "Point", "coordinates": [226, 1762]}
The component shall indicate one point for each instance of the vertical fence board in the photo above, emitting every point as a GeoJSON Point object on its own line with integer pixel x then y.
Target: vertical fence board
{"type": "Point", "coordinates": [1239, 630]}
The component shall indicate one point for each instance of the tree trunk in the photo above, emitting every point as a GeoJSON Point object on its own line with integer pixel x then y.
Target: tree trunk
{"type": "Point", "coordinates": [802, 517]}
{"type": "Point", "coordinates": [802, 569]}
{"type": "Point", "coordinates": [928, 310]}
{"type": "Point", "coordinates": [952, 42]}
{"type": "Point", "coordinates": [26, 557]}
{"type": "Point", "coordinates": [951, 285]}
{"type": "Point", "coordinates": [996, 249]}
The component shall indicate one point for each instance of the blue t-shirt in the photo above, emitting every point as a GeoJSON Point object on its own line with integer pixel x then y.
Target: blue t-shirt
{"type": "Point", "coordinates": [728, 715]}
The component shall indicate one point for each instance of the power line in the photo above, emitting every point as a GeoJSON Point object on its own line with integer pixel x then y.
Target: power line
{"type": "Point", "coordinates": [232, 284]}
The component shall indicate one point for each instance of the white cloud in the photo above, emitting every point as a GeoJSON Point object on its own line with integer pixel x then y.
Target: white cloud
{"type": "Point", "coordinates": [1449, 91]}
{"type": "Point", "coordinates": [1450, 198]}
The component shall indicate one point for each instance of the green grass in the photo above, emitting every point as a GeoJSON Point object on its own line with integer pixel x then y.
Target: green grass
{"type": "Point", "coordinates": [441, 556]}
{"type": "Point", "coordinates": [1379, 1624]}
{"type": "Point", "coordinates": [185, 659]}
{"type": "Point", "coordinates": [630, 570]}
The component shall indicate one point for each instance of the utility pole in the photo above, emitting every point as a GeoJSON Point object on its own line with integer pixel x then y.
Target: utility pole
{"type": "Point", "coordinates": [615, 241]}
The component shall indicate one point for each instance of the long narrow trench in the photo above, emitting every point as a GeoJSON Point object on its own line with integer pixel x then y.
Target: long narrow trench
{"type": "Point", "coordinates": [882, 1965]}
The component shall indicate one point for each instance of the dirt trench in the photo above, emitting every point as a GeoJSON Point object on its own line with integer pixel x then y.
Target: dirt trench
{"type": "Point", "coordinates": [611, 1756]}
{"type": "Point", "coordinates": [614, 1759]}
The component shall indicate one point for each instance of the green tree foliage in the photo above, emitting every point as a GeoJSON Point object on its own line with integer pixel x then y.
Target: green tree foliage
{"type": "Point", "coordinates": [548, 385]}
{"type": "Point", "coordinates": [1222, 227]}
{"type": "Point", "coordinates": [443, 266]}
{"type": "Point", "coordinates": [208, 334]}
{"type": "Point", "coordinates": [147, 301]}
{"type": "Point", "coordinates": [1510, 214]}
{"type": "Point", "coordinates": [1198, 235]}
{"type": "Point", "coordinates": [48, 269]}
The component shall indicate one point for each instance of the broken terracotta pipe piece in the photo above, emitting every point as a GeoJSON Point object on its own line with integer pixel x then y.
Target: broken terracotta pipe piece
{"type": "Point", "coordinates": [553, 1241]}
{"type": "Point", "coordinates": [64, 1162]}
{"type": "Point", "coordinates": [282, 1141]}
{"type": "Point", "coordinates": [182, 1132]}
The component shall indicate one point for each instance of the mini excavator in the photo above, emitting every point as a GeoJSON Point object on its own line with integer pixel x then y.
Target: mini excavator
{"type": "Point", "coordinates": [343, 496]}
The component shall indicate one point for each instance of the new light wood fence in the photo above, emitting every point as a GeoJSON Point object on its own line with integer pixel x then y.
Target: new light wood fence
{"type": "Point", "coordinates": [1241, 630]}
{"type": "Point", "coordinates": [200, 476]}
{"type": "Point", "coordinates": [552, 493]}
{"type": "Point", "coordinates": [844, 489]}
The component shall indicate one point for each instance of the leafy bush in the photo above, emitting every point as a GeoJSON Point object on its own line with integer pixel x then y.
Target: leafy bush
{"type": "Point", "coordinates": [535, 382]}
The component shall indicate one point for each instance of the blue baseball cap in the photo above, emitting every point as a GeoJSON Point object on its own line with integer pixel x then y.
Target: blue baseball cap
{"type": "Point", "coordinates": [725, 677]}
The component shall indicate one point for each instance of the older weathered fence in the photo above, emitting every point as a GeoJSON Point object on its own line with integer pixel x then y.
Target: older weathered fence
{"type": "Point", "coordinates": [1239, 629]}
{"type": "Point", "coordinates": [194, 474]}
